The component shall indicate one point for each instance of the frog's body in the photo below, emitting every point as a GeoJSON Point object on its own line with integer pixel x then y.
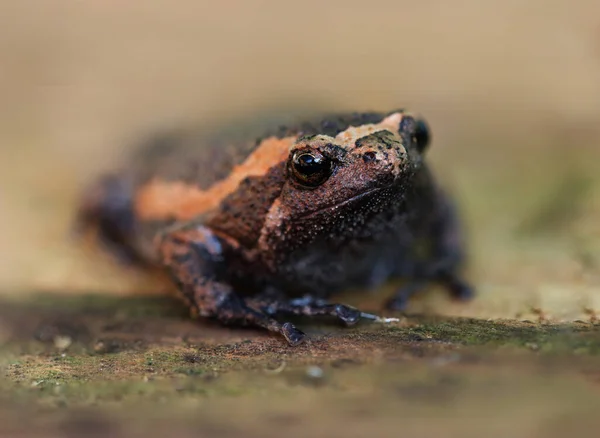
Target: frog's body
{"type": "Point", "coordinates": [250, 228]}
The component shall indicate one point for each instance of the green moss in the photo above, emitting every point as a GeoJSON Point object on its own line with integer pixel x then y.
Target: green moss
{"type": "Point", "coordinates": [565, 338]}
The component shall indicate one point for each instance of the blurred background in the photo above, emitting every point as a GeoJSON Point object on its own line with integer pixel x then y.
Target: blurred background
{"type": "Point", "coordinates": [511, 90]}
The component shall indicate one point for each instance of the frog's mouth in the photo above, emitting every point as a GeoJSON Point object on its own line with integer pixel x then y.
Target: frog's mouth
{"type": "Point", "coordinates": [350, 201]}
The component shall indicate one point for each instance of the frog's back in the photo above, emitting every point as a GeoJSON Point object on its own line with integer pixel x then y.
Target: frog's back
{"type": "Point", "coordinates": [202, 157]}
{"type": "Point", "coordinates": [184, 174]}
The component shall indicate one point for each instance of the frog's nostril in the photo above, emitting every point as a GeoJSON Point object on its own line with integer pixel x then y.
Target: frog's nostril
{"type": "Point", "coordinates": [369, 157]}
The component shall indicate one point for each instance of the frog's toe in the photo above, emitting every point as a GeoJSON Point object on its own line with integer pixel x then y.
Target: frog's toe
{"type": "Point", "coordinates": [348, 315]}
{"type": "Point", "coordinates": [463, 292]}
{"type": "Point", "coordinates": [292, 334]}
{"type": "Point", "coordinates": [399, 302]}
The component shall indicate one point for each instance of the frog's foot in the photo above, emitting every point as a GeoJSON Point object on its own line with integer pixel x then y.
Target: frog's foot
{"type": "Point", "coordinates": [400, 300]}
{"type": "Point", "coordinates": [234, 310]}
{"type": "Point", "coordinates": [309, 306]}
{"type": "Point", "coordinates": [459, 290]}
{"type": "Point", "coordinates": [106, 209]}
{"type": "Point", "coordinates": [193, 256]}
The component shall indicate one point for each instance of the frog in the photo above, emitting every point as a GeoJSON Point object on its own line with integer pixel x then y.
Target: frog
{"type": "Point", "coordinates": [256, 228]}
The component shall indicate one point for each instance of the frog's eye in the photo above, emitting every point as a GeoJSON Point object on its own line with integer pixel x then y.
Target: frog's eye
{"type": "Point", "coordinates": [415, 131]}
{"type": "Point", "coordinates": [310, 169]}
{"type": "Point", "coordinates": [422, 135]}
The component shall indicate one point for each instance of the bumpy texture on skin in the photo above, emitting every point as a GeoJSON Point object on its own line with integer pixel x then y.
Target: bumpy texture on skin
{"type": "Point", "coordinates": [157, 199]}
{"type": "Point", "coordinates": [250, 229]}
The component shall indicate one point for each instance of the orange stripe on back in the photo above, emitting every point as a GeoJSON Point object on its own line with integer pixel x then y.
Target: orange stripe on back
{"type": "Point", "coordinates": [159, 200]}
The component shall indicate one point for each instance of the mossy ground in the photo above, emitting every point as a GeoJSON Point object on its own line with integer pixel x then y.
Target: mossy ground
{"type": "Point", "coordinates": [104, 363]}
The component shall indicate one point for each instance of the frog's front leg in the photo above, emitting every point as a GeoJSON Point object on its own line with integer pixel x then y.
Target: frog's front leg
{"type": "Point", "coordinates": [195, 258]}
{"type": "Point", "coordinates": [444, 264]}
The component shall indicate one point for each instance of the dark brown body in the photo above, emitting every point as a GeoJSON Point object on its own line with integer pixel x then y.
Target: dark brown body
{"type": "Point", "coordinates": [253, 225]}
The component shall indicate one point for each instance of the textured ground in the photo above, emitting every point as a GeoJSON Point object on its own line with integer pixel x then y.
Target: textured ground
{"type": "Point", "coordinates": [512, 94]}
{"type": "Point", "coordinates": [138, 366]}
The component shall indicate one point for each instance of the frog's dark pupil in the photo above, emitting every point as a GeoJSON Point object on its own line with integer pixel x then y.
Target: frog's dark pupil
{"type": "Point", "coordinates": [309, 164]}
{"type": "Point", "coordinates": [311, 169]}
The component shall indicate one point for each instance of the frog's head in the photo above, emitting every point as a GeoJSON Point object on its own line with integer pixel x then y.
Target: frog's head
{"type": "Point", "coordinates": [347, 178]}
{"type": "Point", "coordinates": [357, 168]}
